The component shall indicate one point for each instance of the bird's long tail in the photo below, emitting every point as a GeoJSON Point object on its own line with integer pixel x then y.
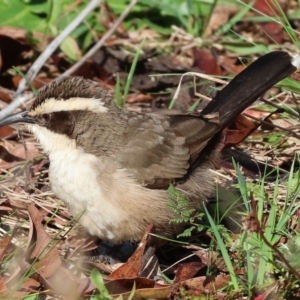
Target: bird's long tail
{"type": "Point", "coordinates": [250, 84]}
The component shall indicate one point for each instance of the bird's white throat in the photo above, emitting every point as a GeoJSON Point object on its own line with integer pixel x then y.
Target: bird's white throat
{"type": "Point", "coordinates": [50, 141]}
{"type": "Point", "coordinates": [74, 177]}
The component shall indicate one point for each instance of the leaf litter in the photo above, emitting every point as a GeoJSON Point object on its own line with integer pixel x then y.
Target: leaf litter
{"type": "Point", "coordinates": [42, 248]}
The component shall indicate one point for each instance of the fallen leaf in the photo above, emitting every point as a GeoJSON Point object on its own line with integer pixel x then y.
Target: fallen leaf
{"type": "Point", "coordinates": [45, 259]}
{"type": "Point", "coordinates": [134, 98]}
{"type": "Point", "coordinates": [272, 29]}
{"type": "Point", "coordinates": [132, 267]}
{"type": "Point", "coordinates": [6, 95]}
{"type": "Point", "coordinates": [11, 153]}
{"type": "Point", "coordinates": [230, 65]}
{"type": "Point", "coordinates": [188, 270]}
{"type": "Point", "coordinates": [4, 243]}
{"type": "Point", "coordinates": [220, 16]}
{"type": "Point", "coordinates": [31, 285]}
{"type": "Point", "coordinates": [47, 263]}
{"type": "Point", "coordinates": [206, 62]}
{"type": "Point", "coordinates": [120, 286]}
{"type": "Point", "coordinates": [242, 128]}
{"type": "Point", "coordinates": [2, 284]}
{"type": "Point", "coordinates": [6, 131]}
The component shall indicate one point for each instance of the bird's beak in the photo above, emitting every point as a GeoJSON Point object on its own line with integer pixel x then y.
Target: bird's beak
{"type": "Point", "coordinates": [21, 117]}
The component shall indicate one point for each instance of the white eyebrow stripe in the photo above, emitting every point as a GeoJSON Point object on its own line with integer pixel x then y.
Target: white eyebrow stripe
{"type": "Point", "coordinates": [53, 105]}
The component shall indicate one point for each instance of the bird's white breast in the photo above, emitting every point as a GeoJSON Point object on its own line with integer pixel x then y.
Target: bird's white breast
{"type": "Point", "coordinates": [74, 178]}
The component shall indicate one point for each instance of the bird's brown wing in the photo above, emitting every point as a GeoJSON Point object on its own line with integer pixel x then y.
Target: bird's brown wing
{"type": "Point", "coordinates": [163, 148]}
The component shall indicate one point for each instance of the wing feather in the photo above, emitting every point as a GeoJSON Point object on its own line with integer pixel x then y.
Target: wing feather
{"type": "Point", "coordinates": [154, 149]}
{"type": "Point", "coordinates": [165, 147]}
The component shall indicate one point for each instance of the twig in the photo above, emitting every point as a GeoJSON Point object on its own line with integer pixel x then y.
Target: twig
{"type": "Point", "coordinates": [100, 43]}
{"type": "Point", "coordinates": [294, 134]}
{"type": "Point", "coordinates": [278, 106]}
{"type": "Point", "coordinates": [37, 65]}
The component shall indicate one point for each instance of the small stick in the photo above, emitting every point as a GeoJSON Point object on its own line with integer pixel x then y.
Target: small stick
{"type": "Point", "coordinates": [100, 43]}
{"type": "Point", "coordinates": [37, 65]}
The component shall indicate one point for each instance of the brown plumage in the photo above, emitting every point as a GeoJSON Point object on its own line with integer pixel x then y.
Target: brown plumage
{"type": "Point", "coordinates": [112, 167]}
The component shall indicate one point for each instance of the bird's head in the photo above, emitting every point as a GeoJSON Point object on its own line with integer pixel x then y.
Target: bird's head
{"type": "Point", "coordinates": [60, 107]}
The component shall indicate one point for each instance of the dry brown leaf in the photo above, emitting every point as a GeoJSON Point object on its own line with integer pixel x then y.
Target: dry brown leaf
{"type": "Point", "coordinates": [206, 62]}
{"type": "Point", "coordinates": [198, 286]}
{"type": "Point", "coordinates": [4, 243]}
{"type": "Point", "coordinates": [31, 285]}
{"type": "Point", "coordinates": [2, 285]}
{"type": "Point", "coordinates": [121, 286]}
{"type": "Point", "coordinates": [134, 98]}
{"type": "Point", "coordinates": [37, 82]}
{"type": "Point", "coordinates": [11, 153]}
{"type": "Point", "coordinates": [204, 284]}
{"type": "Point", "coordinates": [132, 267]}
{"type": "Point", "coordinates": [229, 64]}
{"type": "Point", "coordinates": [220, 16]}
{"type": "Point", "coordinates": [188, 270]}
{"type": "Point", "coordinates": [272, 29]}
{"type": "Point", "coordinates": [243, 127]}
{"type": "Point", "coordinates": [6, 131]}
{"type": "Point", "coordinates": [42, 240]}
{"type": "Point", "coordinates": [46, 260]}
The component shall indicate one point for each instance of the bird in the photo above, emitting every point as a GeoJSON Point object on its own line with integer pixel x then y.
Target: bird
{"type": "Point", "coordinates": [112, 167]}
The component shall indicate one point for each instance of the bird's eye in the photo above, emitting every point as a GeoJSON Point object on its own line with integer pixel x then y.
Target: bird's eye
{"type": "Point", "coordinates": [46, 117]}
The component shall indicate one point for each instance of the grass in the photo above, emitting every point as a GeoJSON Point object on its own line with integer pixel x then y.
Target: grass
{"type": "Point", "coordinates": [98, 281]}
{"type": "Point", "coordinates": [257, 245]}
{"type": "Point", "coordinates": [121, 99]}
{"type": "Point", "coordinates": [224, 252]}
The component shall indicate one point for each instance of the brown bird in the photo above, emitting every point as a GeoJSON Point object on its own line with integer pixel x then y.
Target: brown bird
{"type": "Point", "coordinates": [112, 167]}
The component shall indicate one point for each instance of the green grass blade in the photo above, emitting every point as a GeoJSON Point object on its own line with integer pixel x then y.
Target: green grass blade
{"type": "Point", "coordinates": [236, 18]}
{"type": "Point", "coordinates": [132, 69]}
{"type": "Point", "coordinates": [242, 186]}
{"type": "Point", "coordinates": [98, 281]}
{"type": "Point", "coordinates": [224, 252]}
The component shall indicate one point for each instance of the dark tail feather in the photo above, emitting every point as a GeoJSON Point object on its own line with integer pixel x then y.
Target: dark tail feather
{"type": "Point", "coordinates": [250, 84]}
